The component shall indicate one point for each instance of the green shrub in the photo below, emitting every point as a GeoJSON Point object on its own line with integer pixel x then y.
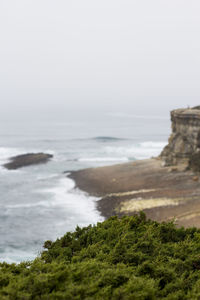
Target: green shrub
{"type": "Point", "coordinates": [120, 259]}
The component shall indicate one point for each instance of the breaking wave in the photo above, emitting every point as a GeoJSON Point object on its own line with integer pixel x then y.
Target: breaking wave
{"type": "Point", "coordinates": [138, 151]}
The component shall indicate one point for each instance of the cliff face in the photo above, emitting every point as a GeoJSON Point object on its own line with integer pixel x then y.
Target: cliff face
{"type": "Point", "coordinates": [185, 138]}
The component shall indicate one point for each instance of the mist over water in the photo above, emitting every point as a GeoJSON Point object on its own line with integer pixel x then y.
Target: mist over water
{"type": "Point", "coordinates": [39, 202]}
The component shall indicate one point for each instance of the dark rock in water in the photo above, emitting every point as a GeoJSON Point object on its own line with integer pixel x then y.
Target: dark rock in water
{"type": "Point", "coordinates": [28, 159]}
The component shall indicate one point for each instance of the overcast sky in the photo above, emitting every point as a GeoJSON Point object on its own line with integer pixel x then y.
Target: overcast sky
{"type": "Point", "coordinates": [104, 56]}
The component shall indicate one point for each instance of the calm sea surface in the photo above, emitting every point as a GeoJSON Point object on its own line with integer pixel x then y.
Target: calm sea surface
{"type": "Point", "coordinates": [39, 202]}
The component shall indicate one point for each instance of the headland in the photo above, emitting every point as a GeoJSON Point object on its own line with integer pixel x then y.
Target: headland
{"type": "Point", "coordinates": [165, 188]}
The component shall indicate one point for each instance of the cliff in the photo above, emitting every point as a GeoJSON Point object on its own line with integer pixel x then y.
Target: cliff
{"type": "Point", "coordinates": [185, 138]}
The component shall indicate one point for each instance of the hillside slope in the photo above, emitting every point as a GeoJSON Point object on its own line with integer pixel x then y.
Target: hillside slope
{"type": "Point", "coordinates": [128, 258]}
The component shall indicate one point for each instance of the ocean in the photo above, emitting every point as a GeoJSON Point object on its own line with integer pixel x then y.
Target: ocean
{"type": "Point", "coordinates": [40, 202]}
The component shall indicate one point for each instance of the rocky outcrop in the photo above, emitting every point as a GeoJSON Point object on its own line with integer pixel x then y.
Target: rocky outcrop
{"type": "Point", "coordinates": [185, 138]}
{"type": "Point", "coordinates": [27, 160]}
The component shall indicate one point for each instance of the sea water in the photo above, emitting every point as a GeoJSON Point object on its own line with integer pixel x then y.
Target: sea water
{"type": "Point", "coordinates": [40, 202]}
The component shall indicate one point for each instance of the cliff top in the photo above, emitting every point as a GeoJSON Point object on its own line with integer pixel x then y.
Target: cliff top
{"type": "Point", "coordinates": [187, 112]}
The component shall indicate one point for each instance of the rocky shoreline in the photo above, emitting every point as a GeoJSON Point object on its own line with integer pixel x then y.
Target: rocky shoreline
{"type": "Point", "coordinates": [164, 187]}
{"type": "Point", "coordinates": [163, 193]}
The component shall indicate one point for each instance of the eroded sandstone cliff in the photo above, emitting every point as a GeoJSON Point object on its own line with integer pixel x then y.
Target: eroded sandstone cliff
{"type": "Point", "coordinates": [185, 138]}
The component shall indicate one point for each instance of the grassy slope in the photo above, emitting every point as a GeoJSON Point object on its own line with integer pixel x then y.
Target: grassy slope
{"type": "Point", "coordinates": [128, 258]}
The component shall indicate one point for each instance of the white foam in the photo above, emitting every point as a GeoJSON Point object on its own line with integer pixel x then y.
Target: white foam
{"type": "Point", "coordinates": [77, 204]}
{"type": "Point", "coordinates": [77, 207]}
{"type": "Point", "coordinates": [58, 195]}
{"type": "Point", "coordinates": [72, 207]}
{"type": "Point", "coordinates": [49, 151]}
{"type": "Point", "coordinates": [6, 153]}
{"type": "Point", "coordinates": [154, 145]}
{"type": "Point", "coordinates": [138, 151]}
{"type": "Point", "coordinates": [4, 171]}
{"type": "Point", "coordinates": [28, 205]}
{"type": "Point", "coordinates": [58, 157]}
{"type": "Point", "coordinates": [46, 176]}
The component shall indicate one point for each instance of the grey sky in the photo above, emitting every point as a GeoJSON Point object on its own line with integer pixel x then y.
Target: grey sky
{"type": "Point", "coordinates": [107, 56]}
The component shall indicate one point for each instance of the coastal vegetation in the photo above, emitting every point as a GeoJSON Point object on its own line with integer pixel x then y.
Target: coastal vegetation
{"type": "Point", "coordinates": [120, 258]}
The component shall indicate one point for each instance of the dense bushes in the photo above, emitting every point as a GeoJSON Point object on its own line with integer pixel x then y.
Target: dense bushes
{"type": "Point", "coordinates": [128, 258]}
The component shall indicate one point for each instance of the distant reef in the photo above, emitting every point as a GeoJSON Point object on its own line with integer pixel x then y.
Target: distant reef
{"type": "Point", "coordinates": [28, 159]}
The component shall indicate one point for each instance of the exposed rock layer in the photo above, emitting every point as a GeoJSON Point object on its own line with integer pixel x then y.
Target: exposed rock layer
{"type": "Point", "coordinates": [185, 138]}
{"type": "Point", "coordinates": [27, 160]}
